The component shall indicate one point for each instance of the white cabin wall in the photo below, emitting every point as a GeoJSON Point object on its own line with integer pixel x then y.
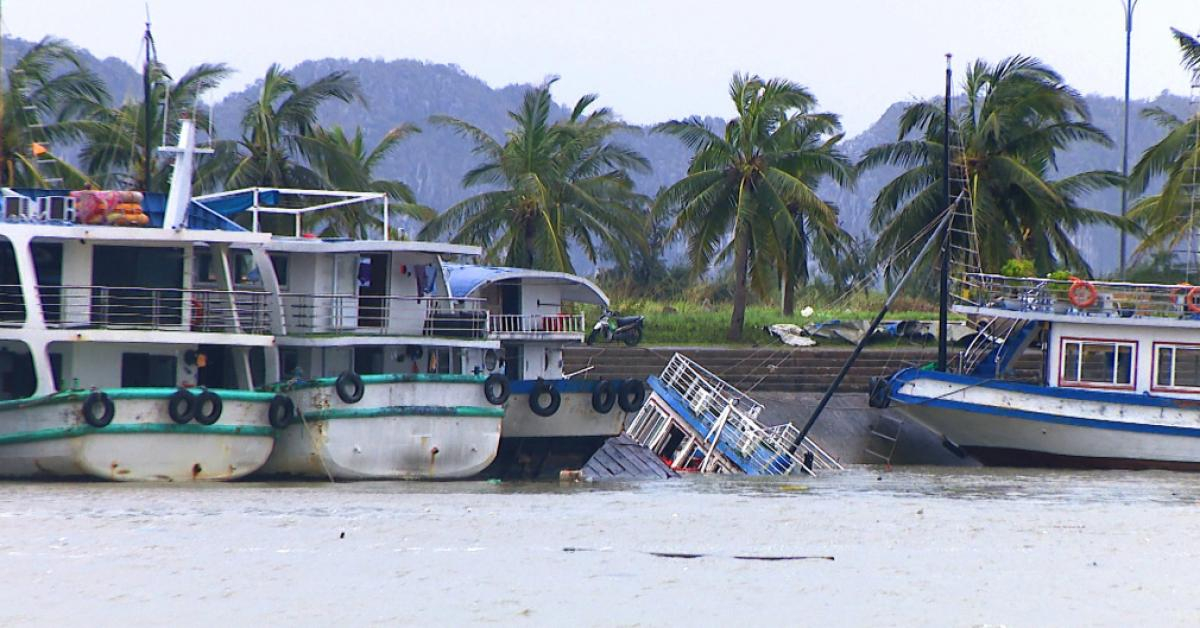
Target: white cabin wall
{"type": "Point", "coordinates": [406, 314]}
{"type": "Point", "coordinates": [1143, 336]}
{"type": "Point", "coordinates": [98, 365]}
{"type": "Point", "coordinates": [542, 299]}
{"type": "Point", "coordinates": [76, 271]}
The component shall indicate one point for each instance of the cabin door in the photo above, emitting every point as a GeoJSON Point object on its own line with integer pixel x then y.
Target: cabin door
{"type": "Point", "coordinates": [372, 290]}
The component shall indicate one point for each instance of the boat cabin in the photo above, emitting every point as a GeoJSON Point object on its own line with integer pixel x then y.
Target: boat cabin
{"type": "Point", "coordinates": [532, 313]}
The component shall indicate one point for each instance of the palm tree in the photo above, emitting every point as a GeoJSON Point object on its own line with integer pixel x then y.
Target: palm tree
{"type": "Point", "coordinates": [272, 125]}
{"type": "Point", "coordinates": [1170, 215]}
{"type": "Point", "coordinates": [43, 90]}
{"type": "Point", "coordinates": [751, 189]}
{"type": "Point", "coordinates": [345, 163]}
{"type": "Point", "coordinates": [1016, 117]}
{"type": "Point", "coordinates": [114, 147]}
{"type": "Point", "coordinates": [554, 184]}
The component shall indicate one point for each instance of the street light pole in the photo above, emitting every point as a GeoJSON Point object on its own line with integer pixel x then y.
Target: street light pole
{"type": "Point", "coordinates": [1129, 6]}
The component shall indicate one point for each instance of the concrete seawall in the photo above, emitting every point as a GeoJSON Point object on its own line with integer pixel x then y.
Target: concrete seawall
{"type": "Point", "coordinates": [790, 381]}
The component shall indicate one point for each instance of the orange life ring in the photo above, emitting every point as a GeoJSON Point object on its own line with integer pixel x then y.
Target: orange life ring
{"type": "Point", "coordinates": [1191, 301]}
{"type": "Point", "coordinates": [1086, 298]}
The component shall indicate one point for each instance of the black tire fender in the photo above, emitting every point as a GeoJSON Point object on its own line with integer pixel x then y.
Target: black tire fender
{"type": "Point", "coordinates": [180, 405]}
{"type": "Point", "coordinates": [350, 387]}
{"type": "Point", "coordinates": [543, 389]}
{"type": "Point", "coordinates": [880, 393]}
{"type": "Point", "coordinates": [98, 401]}
{"type": "Point", "coordinates": [281, 411]}
{"type": "Point", "coordinates": [208, 408]}
{"type": "Point", "coordinates": [631, 395]}
{"type": "Point", "coordinates": [496, 397]}
{"type": "Point", "coordinates": [604, 396]}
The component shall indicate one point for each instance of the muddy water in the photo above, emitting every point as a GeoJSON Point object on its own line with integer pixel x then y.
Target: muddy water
{"type": "Point", "coordinates": [916, 547]}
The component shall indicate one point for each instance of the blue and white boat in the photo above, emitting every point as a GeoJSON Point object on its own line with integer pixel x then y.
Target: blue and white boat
{"type": "Point", "coordinates": [1120, 383]}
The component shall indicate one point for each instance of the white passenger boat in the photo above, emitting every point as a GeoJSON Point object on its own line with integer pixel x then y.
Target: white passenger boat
{"type": "Point", "coordinates": [1120, 385]}
{"type": "Point", "coordinates": [119, 357]}
{"type": "Point", "coordinates": [552, 420]}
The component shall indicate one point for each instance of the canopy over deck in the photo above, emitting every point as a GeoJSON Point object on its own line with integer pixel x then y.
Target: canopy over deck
{"type": "Point", "coordinates": [469, 281]}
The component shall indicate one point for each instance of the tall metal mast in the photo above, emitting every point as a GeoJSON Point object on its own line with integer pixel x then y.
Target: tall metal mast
{"type": "Point", "coordinates": [944, 271]}
{"type": "Point", "coordinates": [147, 122]}
{"type": "Point", "coordinates": [1130, 5]}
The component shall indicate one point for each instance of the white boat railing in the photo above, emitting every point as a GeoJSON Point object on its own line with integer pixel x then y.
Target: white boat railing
{"type": "Point", "coordinates": [728, 417]}
{"type": "Point", "coordinates": [145, 309]}
{"type": "Point", "coordinates": [1034, 295]}
{"type": "Point", "coordinates": [534, 325]}
{"type": "Point", "coordinates": [315, 314]}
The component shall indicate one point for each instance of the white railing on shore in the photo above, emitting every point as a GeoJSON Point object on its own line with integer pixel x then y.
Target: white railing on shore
{"type": "Point", "coordinates": [145, 309]}
{"type": "Point", "coordinates": [535, 324]}
{"type": "Point", "coordinates": [309, 314]}
{"type": "Point", "coordinates": [729, 417]}
{"type": "Point", "coordinates": [1034, 295]}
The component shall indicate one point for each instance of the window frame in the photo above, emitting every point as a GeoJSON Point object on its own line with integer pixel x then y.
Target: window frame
{"type": "Point", "coordinates": [1115, 343]}
{"type": "Point", "coordinates": [1154, 386]}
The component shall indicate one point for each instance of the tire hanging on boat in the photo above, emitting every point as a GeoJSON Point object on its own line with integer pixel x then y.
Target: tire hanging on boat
{"type": "Point", "coordinates": [604, 396]}
{"type": "Point", "coordinates": [350, 387]}
{"type": "Point", "coordinates": [180, 406]}
{"type": "Point", "coordinates": [496, 397]}
{"type": "Point", "coordinates": [281, 411]}
{"type": "Point", "coordinates": [543, 389]}
{"type": "Point", "coordinates": [208, 408]}
{"type": "Point", "coordinates": [632, 395]}
{"type": "Point", "coordinates": [98, 409]}
{"type": "Point", "coordinates": [880, 395]}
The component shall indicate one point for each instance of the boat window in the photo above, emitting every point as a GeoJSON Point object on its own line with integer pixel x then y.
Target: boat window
{"type": "Point", "coordinates": [145, 370]}
{"type": "Point", "coordinates": [12, 304]}
{"type": "Point", "coordinates": [17, 376]}
{"type": "Point", "coordinates": [1097, 363]}
{"type": "Point", "coordinates": [368, 360]}
{"type": "Point", "coordinates": [245, 272]}
{"type": "Point", "coordinates": [1177, 366]}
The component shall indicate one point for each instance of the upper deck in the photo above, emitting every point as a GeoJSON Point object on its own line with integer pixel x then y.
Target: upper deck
{"type": "Point", "coordinates": [1094, 302]}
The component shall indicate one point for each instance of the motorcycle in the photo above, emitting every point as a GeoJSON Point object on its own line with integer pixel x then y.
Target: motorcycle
{"type": "Point", "coordinates": [612, 328]}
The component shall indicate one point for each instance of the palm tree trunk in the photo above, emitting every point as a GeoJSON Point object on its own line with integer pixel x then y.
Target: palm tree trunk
{"type": "Point", "coordinates": [789, 292]}
{"type": "Point", "coordinates": [527, 234]}
{"type": "Point", "coordinates": [740, 257]}
{"type": "Point", "coordinates": [796, 270]}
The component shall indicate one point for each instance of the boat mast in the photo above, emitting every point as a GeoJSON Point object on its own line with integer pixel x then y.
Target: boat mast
{"type": "Point", "coordinates": [148, 41]}
{"type": "Point", "coordinates": [944, 276]}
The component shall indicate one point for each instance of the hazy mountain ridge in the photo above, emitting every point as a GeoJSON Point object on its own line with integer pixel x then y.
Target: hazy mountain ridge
{"type": "Point", "coordinates": [433, 162]}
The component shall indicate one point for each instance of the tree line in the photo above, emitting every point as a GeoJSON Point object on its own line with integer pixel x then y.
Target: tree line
{"type": "Point", "coordinates": [553, 184]}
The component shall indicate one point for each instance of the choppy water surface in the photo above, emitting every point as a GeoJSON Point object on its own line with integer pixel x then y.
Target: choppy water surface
{"type": "Point", "coordinates": [913, 547]}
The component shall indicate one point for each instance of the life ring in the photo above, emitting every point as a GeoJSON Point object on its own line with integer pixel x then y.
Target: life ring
{"type": "Point", "coordinates": [496, 397]}
{"type": "Point", "coordinates": [880, 395]}
{"type": "Point", "coordinates": [542, 389]}
{"type": "Point", "coordinates": [1192, 300]}
{"type": "Point", "coordinates": [1082, 294]}
{"type": "Point", "coordinates": [604, 396]}
{"type": "Point", "coordinates": [281, 411]}
{"type": "Point", "coordinates": [350, 387]}
{"type": "Point", "coordinates": [631, 395]}
{"type": "Point", "coordinates": [180, 406]}
{"type": "Point", "coordinates": [208, 408]}
{"type": "Point", "coordinates": [98, 401]}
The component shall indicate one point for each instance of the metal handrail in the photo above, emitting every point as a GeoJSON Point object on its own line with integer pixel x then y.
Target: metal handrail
{"type": "Point", "coordinates": [536, 324]}
{"type": "Point", "coordinates": [1113, 298]}
{"type": "Point", "coordinates": [384, 315]}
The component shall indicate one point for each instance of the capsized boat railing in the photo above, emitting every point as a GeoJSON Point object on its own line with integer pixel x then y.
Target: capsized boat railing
{"type": "Point", "coordinates": [384, 315]}
{"type": "Point", "coordinates": [534, 325]}
{"type": "Point", "coordinates": [728, 419]}
{"type": "Point", "coordinates": [142, 309]}
{"type": "Point", "coordinates": [1035, 295]}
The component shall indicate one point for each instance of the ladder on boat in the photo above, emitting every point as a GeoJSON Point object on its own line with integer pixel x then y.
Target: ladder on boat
{"type": "Point", "coordinates": [884, 436]}
{"type": "Point", "coordinates": [39, 138]}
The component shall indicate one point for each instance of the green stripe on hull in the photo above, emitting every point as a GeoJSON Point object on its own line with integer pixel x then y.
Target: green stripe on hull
{"type": "Point", "coordinates": [386, 378]}
{"type": "Point", "coordinates": [72, 431]}
{"type": "Point", "coordinates": [68, 396]}
{"type": "Point", "coordinates": [394, 411]}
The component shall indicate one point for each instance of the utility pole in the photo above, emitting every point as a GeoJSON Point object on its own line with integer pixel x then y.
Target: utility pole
{"type": "Point", "coordinates": [1129, 6]}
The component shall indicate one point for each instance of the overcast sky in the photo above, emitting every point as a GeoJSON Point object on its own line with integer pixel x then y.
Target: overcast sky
{"type": "Point", "coordinates": [650, 60]}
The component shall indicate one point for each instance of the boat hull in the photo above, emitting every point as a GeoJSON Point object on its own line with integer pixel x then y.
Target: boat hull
{"type": "Point", "coordinates": [405, 427]}
{"type": "Point", "coordinates": [48, 438]}
{"type": "Point", "coordinates": [533, 446]}
{"type": "Point", "coordinates": [1010, 424]}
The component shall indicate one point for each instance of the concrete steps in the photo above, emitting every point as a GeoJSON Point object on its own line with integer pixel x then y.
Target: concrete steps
{"type": "Point", "coordinates": [774, 369]}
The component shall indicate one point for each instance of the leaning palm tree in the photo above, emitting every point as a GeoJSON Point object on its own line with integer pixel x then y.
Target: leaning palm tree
{"type": "Point", "coordinates": [272, 125]}
{"type": "Point", "coordinates": [43, 91]}
{"type": "Point", "coordinates": [750, 191]}
{"type": "Point", "coordinates": [114, 145]}
{"type": "Point", "coordinates": [554, 184]}
{"type": "Point", "coordinates": [1171, 215]}
{"type": "Point", "coordinates": [1005, 138]}
{"type": "Point", "coordinates": [346, 163]}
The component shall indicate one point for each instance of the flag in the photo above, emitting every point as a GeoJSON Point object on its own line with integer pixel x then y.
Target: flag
{"type": "Point", "coordinates": [39, 150]}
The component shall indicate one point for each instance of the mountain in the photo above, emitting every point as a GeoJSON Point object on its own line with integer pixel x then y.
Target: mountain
{"type": "Point", "coordinates": [433, 161]}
